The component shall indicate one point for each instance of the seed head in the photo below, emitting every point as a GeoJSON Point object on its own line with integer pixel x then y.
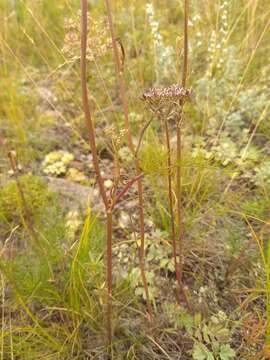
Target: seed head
{"type": "Point", "coordinates": [162, 98]}
{"type": "Point", "coordinates": [99, 41]}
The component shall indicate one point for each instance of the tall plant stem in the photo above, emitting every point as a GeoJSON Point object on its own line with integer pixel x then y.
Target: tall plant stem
{"type": "Point", "coordinates": [119, 74]}
{"type": "Point", "coordinates": [170, 194]}
{"type": "Point", "coordinates": [185, 64]}
{"type": "Point", "coordinates": [86, 107]}
{"type": "Point", "coordinates": [180, 222]}
{"type": "Point", "coordinates": [91, 136]}
{"type": "Point", "coordinates": [124, 99]}
{"type": "Point", "coordinates": [109, 277]}
{"type": "Point", "coordinates": [179, 198]}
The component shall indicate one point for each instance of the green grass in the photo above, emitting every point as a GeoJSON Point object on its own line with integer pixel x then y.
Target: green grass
{"type": "Point", "coordinates": [53, 291]}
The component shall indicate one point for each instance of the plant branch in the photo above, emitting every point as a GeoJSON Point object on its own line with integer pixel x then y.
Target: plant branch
{"type": "Point", "coordinates": [86, 107]}
{"type": "Point", "coordinates": [141, 136]}
{"type": "Point", "coordinates": [123, 192]}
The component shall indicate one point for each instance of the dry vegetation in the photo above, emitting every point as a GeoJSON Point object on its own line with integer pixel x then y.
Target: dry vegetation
{"type": "Point", "coordinates": [135, 179]}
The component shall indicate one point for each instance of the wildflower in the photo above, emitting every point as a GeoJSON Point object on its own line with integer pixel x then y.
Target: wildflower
{"type": "Point", "coordinates": [172, 92]}
{"type": "Point", "coordinates": [166, 98]}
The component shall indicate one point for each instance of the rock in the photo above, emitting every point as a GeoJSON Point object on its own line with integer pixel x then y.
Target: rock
{"type": "Point", "coordinates": [75, 195]}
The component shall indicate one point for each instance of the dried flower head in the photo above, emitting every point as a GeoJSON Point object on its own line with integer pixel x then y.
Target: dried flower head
{"type": "Point", "coordinates": [99, 40]}
{"type": "Point", "coordinates": [116, 137]}
{"type": "Point", "coordinates": [160, 98]}
{"type": "Point", "coordinates": [172, 92]}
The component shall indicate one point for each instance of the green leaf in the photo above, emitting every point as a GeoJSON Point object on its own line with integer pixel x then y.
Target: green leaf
{"type": "Point", "coordinates": [200, 352]}
{"type": "Point", "coordinates": [187, 321]}
{"type": "Point", "coordinates": [206, 334]}
{"type": "Point", "coordinates": [163, 263]}
{"type": "Point", "coordinates": [226, 352]}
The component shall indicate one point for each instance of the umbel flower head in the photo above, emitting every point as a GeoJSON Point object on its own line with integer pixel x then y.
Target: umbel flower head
{"type": "Point", "coordinates": [166, 97]}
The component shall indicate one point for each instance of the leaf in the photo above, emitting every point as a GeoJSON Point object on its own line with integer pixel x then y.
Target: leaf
{"type": "Point", "coordinates": [226, 352]}
{"type": "Point", "coordinates": [134, 277]}
{"type": "Point", "coordinates": [163, 263]}
{"type": "Point", "coordinates": [222, 335]}
{"type": "Point", "coordinates": [206, 334]}
{"type": "Point", "coordinates": [171, 266]}
{"type": "Point", "coordinates": [200, 352]}
{"type": "Point", "coordinates": [197, 319]}
{"type": "Point", "coordinates": [187, 321]}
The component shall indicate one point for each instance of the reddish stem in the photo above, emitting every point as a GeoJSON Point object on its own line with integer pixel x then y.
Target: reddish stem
{"type": "Point", "coordinates": [109, 278]}
{"type": "Point", "coordinates": [86, 107]}
{"type": "Point", "coordinates": [123, 95]}
{"type": "Point", "coordinates": [170, 194]}
{"type": "Point", "coordinates": [180, 215]}
{"type": "Point", "coordinates": [92, 142]}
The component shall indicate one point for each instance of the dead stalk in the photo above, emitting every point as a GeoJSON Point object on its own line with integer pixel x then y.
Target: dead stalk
{"type": "Point", "coordinates": [91, 137]}
{"type": "Point", "coordinates": [172, 220]}
{"type": "Point", "coordinates": [180, 223]}
{"type": "Point", "coordinates": [123, 95]}
{"type": "Point", "coordinates": [109, 201]}
{"type": "Point", "coordinates": [185, 64]}
{"type": "Point", "coordinates": [109, 277]}
{"type": "Point", "coordinates": [86, 107]}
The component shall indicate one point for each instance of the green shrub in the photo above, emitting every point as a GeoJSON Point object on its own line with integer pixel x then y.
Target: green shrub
{"type": "Point", "coordinates": [36, 194]}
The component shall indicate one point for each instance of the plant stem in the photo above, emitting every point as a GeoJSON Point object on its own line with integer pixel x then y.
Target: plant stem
{"type": "Point", "coordinates": [142, 244]}
{"type": "Point", "coordinates": [86, 107]}
{"type": "Point", "coordinates": [170, 194]}
{"type": "Point", "coordinates": [119, 74]}
{"type": "Point", "coordinates": [91, 136]}
{"type": "Point", "coordinates": [123, 192]}
{"type": "Point", "coordinates": [185, 65]}
{"type": "Point", "coordinates": [109, 278]}
{"type": "Point", "coordinates": [180, 220]}
{"type": "Point", "coordinates": [179, 198]}
{"type": "Point", "coordinates": [123, 96]}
